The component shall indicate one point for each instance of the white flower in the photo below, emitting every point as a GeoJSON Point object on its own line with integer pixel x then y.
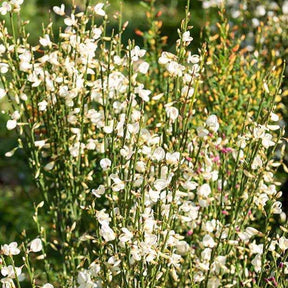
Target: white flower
{"type": "Point", "coordinates": [98, 9]}
{"type": "Point", "coordinates": [260, 11]}
{"type": "Point", "coordinates": [42, 105]}
{"type": "Point", "coordinates": [2, 49]}
{"type": "Point", "coordinates": [259, 132]}
{"type": "Point", "coordinates": [272, 245]}
{"type": "Point", "coordinates": [84, 280]}
{"type": "Point", "coordinates": [174, 260]}
{"type": "Point", "coordinates": [126, 152]}
{"type": "Point", "coordinates": [26, 66]}
{"type": "Point", "coordinates": [39, 143]}
{"type": "Point", "coordinates": [257, 263]}
{"type": "Point", "coordinates": [283, 243]}
{"type": "Point", "coordinates": [194, 59]}
{"type": "Point", "coordinates": [94, 269]}
{"type": "Point", "coordinates": [8, 271]}
{"type": "Point", "coordinates": [143, 67]}
{"type": "Point", "coordinates": [256, 249]}
{"type": "Point", "coordinates": [135, 254]}
{"type": "Point", "coordinates": [103, 217]}
{"type": "Point", "coordinates": [47, 285]}
{"type": "Point", "coordinates": [286, 263]}
{"type": "Point", "coordinates": [175, 69]}
{"type": "Point", "coordinates": [117, 60]}
{"type": "Point", "coordinates": [182, 248]}
{"type": "Point", "coordinates": [158, 154]}
{"type": "Point", "coordinates": [172, 113]}
{"type": "Point", "coordinates": [206, 254]}
{"type": "Point", "coordinates": [158, 96]}
{"type": "Point", "coordinates": [154, 195]}
{"type": "Point", "coordinates": [213, 282]}
{"type": "Point", "coordinates": [212, 123]}
{"type": "Point", "coordinates": [16, 115]}
{"type": "Point", "coordinates": [114, 263]}
{"type": "Point", "coordinates": [76, 149]}
{"type": "Point", "coordinates": [166, 57]}
{"type": "Point", "coordinates": [273, 127]}
{"type": "Point", "coordinates": [59, 10]}
{"type": "Point", "coordinates": [267, 140]}
{"type": "Point", "coordinates": [255, 22]}
{"type": "Point", "coordinates": [10, 249]}
{"type": "Point", "coordinates": [137, 53]}
{"type": "Point", "coordinates": [140, 166]}
{"type": "Point", "coordinates": [45, 41]}
{"type": "Point", "coordinates": [25, 56]}
{"type": "Point", "coordinates": [187, 91]}
{"type": "Point", "coordinates": [5, 8]}
{"type": "Point", "coordinates": [99, 191]}
{"type": "Point", "coordinates": [269, 190]}
{"type": "Point", "coordinates": [219, 264]}
{"type": "Point", "coordinates": [202, 132]}
{"type": "Point", "coordinates": [96, 32]}
{"type": "Point", "coordinates": [251, 231]}
{"type": "Point", "coordinates": [210, 225]}
{"type": "Point", "coordinates": [277, 207]}
{"type": "Point", "coordinates": [257, 163]}
{"type": "Point", "coordinates": [126, 236]}
{"type": "Point", "coordinates": [143, 93]}
{"type": "Point", "coordinates": [4, 68]}
{"type": "Point", "coordinates": [17, 2]}
{"type": "Point", "coordinates": [186, 37]}
{"type": "Point", "coordinates": [204, 190]}
{"type": "Point", "coordinates": [244, 236]}
{"type": "Point", "coordinates": [261, 199]}
{"type": "Point", "coordinates": [208, 241]}
{"type": "Point", "coordinates": [2, 93]}
{"type": "Point", "coordinates": [172, 158]}
{"type": "Point", "coordinates": [190, 185]}
{"type": "Point", "coordinates": [36, 245]}
{"type": "Point", "coordinates": [198, 277]}
{"type": "Point", "coordinates": [107, 233]}
{"type": "Point", "coordinates": [118, 183]}
{"type": "Point", "coordinates": [91, 144]}
{"type": "Point", "coordinates": [105, 164]}
{"type": "Point", "coordinates": [7, 283]}
{"type": "Point", "coordinates": [160, 184]}
{"type": "Point", "coordinates": [285, 7]}
{"type": "Point", "coordinates": [11, 124]}
{"type": "Point", "coordinates": [70, 21]}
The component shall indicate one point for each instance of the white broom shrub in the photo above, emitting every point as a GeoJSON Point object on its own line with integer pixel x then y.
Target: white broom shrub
{"type": "Point", "coordinates": [141, 186]}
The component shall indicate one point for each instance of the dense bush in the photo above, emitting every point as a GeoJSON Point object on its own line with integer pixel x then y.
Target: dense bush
{"type": "Point", "coordinates": [155, 168]}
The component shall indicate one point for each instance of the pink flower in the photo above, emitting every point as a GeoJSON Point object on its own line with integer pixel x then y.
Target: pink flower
{"type": "Point", "coordinates": [189, 233]}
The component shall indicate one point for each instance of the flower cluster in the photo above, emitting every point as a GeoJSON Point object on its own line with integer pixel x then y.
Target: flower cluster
{"type": "Point", "coordinates": [143, 186]}
{"type": "Point", "coordinates": [10, 6]}
{"type": "Point", "coordinates": [11, 273]}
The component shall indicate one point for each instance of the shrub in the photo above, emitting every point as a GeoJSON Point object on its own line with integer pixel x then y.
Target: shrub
{"type": "Point", "coordinates": [149, 170]}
